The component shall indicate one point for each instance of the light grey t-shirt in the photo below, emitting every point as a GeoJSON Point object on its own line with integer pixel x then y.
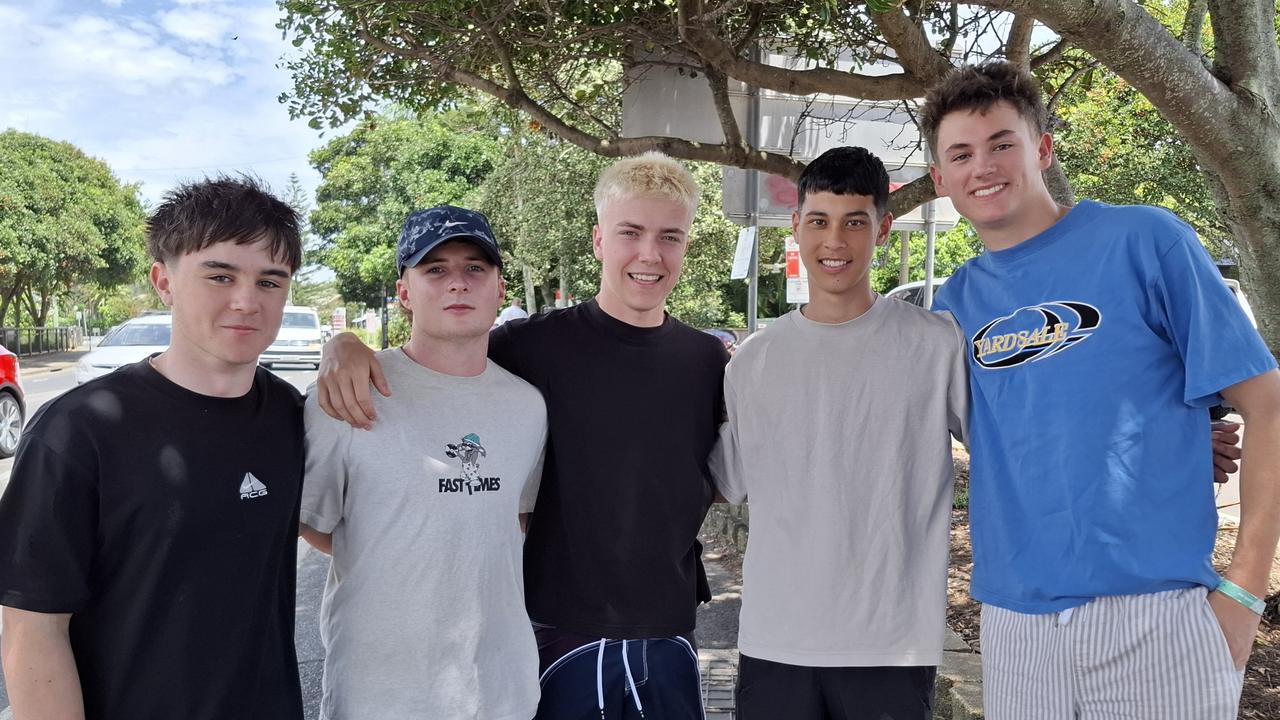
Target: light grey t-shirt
{"type": "Point", "coordinates": [839, 438]}
{"type": "Point", "coordinates": [423, 614]}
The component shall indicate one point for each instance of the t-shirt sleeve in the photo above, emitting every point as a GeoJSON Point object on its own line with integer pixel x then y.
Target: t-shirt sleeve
{"type": "Point", "coordinates": [324, 482]}
{"type": "Point", "coordinates": [726, 456]}
{"type": "Point", "coordinates": [502, 346]}
{"type": "Point", "coordinates": [529, 493]}
{"type": "Point", "coordinates": [1218, 345]}
{"type": "Point", "coordinates": [48, 531]}
{"type": "Point", "coordinates": [958, 386]}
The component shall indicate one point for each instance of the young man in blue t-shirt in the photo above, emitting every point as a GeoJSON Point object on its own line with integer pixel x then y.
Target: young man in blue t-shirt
{"type": "Point", "coordinates": [1098, 338]}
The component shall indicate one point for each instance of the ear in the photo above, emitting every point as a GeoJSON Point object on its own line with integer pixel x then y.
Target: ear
{"type": "Point", "coordinates": [936, 175]}
{"type": "Point", "coordinates": [1045, 151]}
{"type": "Point", "coordinates": [161, 281]}
{"type": "Point", "coordinates": [502, 288]}
{"type": "Point", "coordinates": [886, 224]}
{"type": "Point", "coordinates": [402, 294]}
{"type": "Point", "coordinates": [795, 223]}
{"type": "Point", "coordinates": [596, 238]}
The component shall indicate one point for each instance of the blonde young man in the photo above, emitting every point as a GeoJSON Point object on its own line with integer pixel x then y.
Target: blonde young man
{"type": "Point", "coordinates": [1098, 336]}
{"type": "Point", "coordinates": [423, 613]}
{"type": "Point", "coordinates": [612, 564]}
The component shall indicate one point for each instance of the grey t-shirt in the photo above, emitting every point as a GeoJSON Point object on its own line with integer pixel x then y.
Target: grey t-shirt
{"type": "Point", "coordinates": [839, 438]}
{"type": "Point", "coordinates": [423, 614]}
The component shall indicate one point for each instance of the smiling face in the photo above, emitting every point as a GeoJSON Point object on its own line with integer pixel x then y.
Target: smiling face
{"type": "Point", "coordinates": [990, 164]}
{"type": "Point", "coordinates": [838, 236]}
{"type": "Point", "coordinates": [640, 242]}
{"type": "Point", "coordinates": [453, 293]}
{"type": "Point", "coordinates": [227, 302]}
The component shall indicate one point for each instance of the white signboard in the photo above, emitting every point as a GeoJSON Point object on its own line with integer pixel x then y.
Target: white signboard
{"type": "Point", "coordinates": [797, 275]}
{"type": "Point", "coordinates": [742, 255]}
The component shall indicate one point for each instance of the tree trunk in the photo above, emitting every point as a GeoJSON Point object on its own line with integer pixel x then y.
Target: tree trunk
{"type": "Point", "coordinates": [904, 257]}
{"type": "Point", "coordinates": [1252, 212]}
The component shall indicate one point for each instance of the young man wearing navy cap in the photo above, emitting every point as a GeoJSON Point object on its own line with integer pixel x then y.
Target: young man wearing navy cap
{"type": "Point", "coordinates": [423, 613]}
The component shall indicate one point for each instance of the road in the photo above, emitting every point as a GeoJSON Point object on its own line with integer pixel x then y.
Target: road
{"type": "Point", "coordinates": [41, 389]}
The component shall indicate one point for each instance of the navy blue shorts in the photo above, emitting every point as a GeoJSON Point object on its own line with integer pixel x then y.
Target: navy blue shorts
{"type": "Point", "coordinates": [586, 678]}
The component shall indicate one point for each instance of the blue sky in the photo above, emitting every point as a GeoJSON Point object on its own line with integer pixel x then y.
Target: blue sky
{"type": "Point", "coordinates": [162, 90]}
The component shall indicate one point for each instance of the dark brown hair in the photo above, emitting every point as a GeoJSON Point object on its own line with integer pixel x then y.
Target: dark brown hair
{"type": "Point", "coordinates": [979, 87]}
{"type": "Point", "coordinates": [194, 216]}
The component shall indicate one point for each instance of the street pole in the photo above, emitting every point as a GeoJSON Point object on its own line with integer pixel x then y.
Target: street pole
{"type": "Point", "coordinates": [753, 200]}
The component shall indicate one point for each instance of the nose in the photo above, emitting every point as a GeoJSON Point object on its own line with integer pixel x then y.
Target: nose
{"type": "Point", "coordinates": [649, 251]}
{"type": "Point", "coordinates": [459, 283]}
{"type": "Point", "coordinates": [245, 298]}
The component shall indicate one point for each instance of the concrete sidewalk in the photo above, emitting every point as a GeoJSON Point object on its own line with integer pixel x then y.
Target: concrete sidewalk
{"type": "Point", "coordinates": [33, 366]}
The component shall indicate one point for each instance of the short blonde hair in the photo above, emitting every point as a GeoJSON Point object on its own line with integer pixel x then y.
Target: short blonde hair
{"type": "Point", "coordinates": [653, 175]}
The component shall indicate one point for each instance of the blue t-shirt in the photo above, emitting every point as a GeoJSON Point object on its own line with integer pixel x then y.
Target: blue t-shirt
{"type": "Point", "coordinates": [1095, 349]}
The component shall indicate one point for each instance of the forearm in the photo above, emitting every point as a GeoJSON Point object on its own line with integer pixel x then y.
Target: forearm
{"type": "Point", "coordinates": [316, 539]}
{"type": "Point", "coordinates": [1259, 503]}
{"type": "Point", "coordinates": [39, 667]}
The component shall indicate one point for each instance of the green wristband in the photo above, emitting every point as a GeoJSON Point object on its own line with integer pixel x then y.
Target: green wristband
{"type": "Point", "coordinates": [1242, 596]}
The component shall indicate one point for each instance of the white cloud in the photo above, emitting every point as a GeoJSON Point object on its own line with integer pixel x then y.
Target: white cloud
{"type": "Point", "coordinates": [198, 26]}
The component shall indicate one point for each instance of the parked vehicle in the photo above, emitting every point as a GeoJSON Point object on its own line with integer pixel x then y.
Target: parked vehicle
{"type": "Point", "coordinates": [126, 343]}
{"type": "Point", "coordinates": [13, 404]}
{"type": "Point", "coordinates": [299, 340]}
{"type": "Point", "coordinates": [913, 292]}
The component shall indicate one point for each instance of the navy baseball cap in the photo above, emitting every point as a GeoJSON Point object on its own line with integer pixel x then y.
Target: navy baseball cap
{"type": "Point", "coordinates": [425, 229]}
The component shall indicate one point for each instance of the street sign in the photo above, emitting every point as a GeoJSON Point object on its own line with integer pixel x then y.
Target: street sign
{"type": "Point", "coordinates": [797, 274]}
{"type": "Point", "coordinates": [742, 253]}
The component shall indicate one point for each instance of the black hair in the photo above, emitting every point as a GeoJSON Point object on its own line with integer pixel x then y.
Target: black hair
{"type": "Point", "coordinates": [195, 215]}
{"type": "Point", "coordinates": [847, 171]}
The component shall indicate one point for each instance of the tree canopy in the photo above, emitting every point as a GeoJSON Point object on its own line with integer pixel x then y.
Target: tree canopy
{"type": "Point", "coordinates": [1210, 68]}
{"type": "Point", "coordinates": [64, 220]}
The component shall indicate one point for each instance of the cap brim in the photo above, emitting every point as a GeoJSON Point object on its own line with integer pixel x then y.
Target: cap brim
{"type": "Point", "coordinates": [489, 252]}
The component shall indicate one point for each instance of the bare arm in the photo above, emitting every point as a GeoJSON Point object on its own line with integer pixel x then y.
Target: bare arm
{"type": "Point", "coordinates": [1258, 402]}
{"type": "Point", "coordinates": [316, 539]}
{"type": "Point", "coordinates": [39, 668]}
{"type": "Point", "coordinates": [347, 366]}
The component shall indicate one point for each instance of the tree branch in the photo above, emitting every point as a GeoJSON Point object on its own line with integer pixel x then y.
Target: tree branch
{"type": "Point", "coordinates": [516, 99]}
{"type": "Point", "coordinates": [1245, 53]}
{"type": "Point", "coordinates": [716, 53]}
{"type": "Point", "coordinates": [1052, 105]}
{"type": "Point", "coordinates": [724, 109]}
{"type": "Point", "coordinates": [1052, 55]}
{"type": "Point", "coordinates": [912, 195]}
{"type": "Point", "coordinates": [1193, 24]}
{"type": "Point", "coordinates": [915, 53]}
{"type": "Point", "coordinates": [1017, 49]}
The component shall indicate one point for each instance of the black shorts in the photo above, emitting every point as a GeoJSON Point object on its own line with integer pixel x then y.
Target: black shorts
{"type": "Point", "coordinates": [769, 690]}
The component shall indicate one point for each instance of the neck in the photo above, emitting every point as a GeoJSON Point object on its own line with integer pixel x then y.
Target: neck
{"type": "Point", "coordinates": [1044, 215]}
{"type": "Point", "coordinates": [618, 310]}
{"type": "Point", "coordinates": [460, 357]}
{"type": "Point", "coordinates": [202, 374]}
{"type": "Point", "coordinates": [832, 309]}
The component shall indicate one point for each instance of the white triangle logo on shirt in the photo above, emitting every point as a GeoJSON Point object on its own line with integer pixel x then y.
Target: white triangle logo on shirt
{"type": "Point", "coordinates": [251, 487]}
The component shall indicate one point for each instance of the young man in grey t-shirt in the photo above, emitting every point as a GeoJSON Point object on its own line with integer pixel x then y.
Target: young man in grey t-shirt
{"type": "Point", "coordinates": [423, 612]}
{"type": "Point", "coordinates": [845, 591]}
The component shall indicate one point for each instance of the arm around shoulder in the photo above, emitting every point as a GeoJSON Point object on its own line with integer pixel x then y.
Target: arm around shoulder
{"type": "Point", "coordinates": [347, 367]}
{"type": "Point", "coordinates": [1258, 402]}
{"type": "Point", "coordinates": [39, 667]}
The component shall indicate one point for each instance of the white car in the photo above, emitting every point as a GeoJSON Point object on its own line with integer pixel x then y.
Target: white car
{"type": "Point", "coordinates": [913, 292]}
{"type": "Point", "coordinates": [299, 340]}
{"type": "Point", "coordinates": [126, 343]}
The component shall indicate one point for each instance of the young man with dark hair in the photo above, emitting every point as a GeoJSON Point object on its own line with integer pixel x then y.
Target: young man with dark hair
{"type": "Point", "coordinates": [149, 530]}
{"type": "Point", "coordinates": [423, 613]}
{"type": "Point", "coordinates": [845, 576]}
{"type": "Point", "coordinates": [612, 564]}
{"type": "Point", "coordinates": [1097, 337]}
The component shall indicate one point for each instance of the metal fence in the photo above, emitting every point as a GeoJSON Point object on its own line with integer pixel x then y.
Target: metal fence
{"type": "Point", "coordinates": [39, 340]}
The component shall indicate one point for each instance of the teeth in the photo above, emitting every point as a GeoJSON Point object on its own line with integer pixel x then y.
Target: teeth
{"type": "Point", "coordinates": [986, 192]}
{"type": "Point", "coordinates": [644, 278]}
{"type": "Point", "coordinates": [834, 263]}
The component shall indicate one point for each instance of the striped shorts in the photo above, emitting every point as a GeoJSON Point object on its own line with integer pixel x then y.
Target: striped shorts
{"type": "Point", "coordinates": [1160, 656]}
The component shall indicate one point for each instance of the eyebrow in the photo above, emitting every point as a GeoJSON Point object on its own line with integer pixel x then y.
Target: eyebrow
{"type": "Point", "coordinates": [219, 265]}
{"type": "Point", "coordinates": [822, 213]}
{"type": "Point", "coordinates": [994, 136]}
{"type": "Point", "coordinates": [636, 226]}
{"type": "Point", "coordinates": [468, 258]}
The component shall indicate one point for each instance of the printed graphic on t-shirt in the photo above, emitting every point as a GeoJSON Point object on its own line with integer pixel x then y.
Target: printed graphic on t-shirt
{"type": "Point", "coordinates": [251, 487]}
{"type": "Point", "coordinates": [469, 451]}
{"type": "Point", "coordinates": [1033, 333]}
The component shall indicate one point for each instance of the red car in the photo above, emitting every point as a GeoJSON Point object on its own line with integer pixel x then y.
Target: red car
{"type": "Point", "coordinates": [13, 408]}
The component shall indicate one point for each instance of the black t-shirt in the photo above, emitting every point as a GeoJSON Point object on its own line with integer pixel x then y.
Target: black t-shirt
{"type": "Point", "coordinates": [633, 412]}
{"type": "Point", "coordinates": [166, 522]}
